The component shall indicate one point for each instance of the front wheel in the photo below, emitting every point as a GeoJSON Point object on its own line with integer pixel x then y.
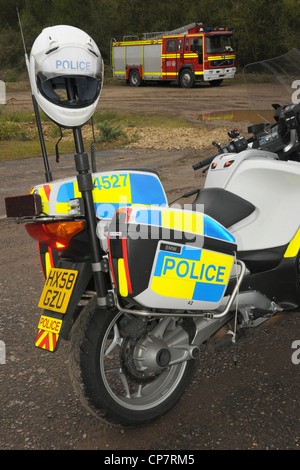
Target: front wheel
{"type": "Point", "coordinates": [119, 366]}
{"type": "Point", "coordinates": [186, 79]}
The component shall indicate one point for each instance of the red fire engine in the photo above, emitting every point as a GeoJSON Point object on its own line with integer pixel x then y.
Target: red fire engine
{"type": "Point", "coordinates": [187, 54]}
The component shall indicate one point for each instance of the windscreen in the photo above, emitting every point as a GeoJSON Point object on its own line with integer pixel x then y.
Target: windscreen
{"type": "Point", "coordinates": [219, 43]}
{"type": "Point", "coordinates": [273, 81]}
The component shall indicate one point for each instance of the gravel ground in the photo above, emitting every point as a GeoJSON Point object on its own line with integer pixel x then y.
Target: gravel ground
{"type": "Point", "coordinates": [252, 404]}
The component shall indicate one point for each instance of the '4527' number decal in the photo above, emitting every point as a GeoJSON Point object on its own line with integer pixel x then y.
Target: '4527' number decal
{"type": "Point", "coordinates": [110, 181]}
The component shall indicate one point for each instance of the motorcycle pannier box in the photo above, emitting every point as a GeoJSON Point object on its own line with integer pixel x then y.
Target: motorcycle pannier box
{"type": "Point", "coordinates": [169, 259]}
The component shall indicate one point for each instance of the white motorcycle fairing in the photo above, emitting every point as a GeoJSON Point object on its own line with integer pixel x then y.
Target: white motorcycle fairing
{"type": "Point", "coordinates": [256, 197]}
{"type": "Point", "coordinates": [271, 186]}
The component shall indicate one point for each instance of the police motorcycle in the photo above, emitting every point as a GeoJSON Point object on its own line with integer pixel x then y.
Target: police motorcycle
{"type": "Point", "coordinates": [136, 286]}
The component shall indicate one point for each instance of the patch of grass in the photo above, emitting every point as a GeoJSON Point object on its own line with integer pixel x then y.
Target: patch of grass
{"type": "Point", "coordinates": [19, 137]}
{"type": "Point", "coordinates": [103, 116]}
{"type": "Point", "coordinates": [140, 120]}
{"type": "Point", "coordinates": [11, 131]}
{"type": "Point", "coordinates": [17, 150]}
{"type": "Point", "coordinates": [14, 126]}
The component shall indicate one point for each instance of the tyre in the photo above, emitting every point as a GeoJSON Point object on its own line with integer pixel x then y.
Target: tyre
{"type": "Point", "coordinates": [186, 79]}
{"type": "Point", "coordinates": [115, 378]}
{"type": "Point", "coordinates": [135, 78]}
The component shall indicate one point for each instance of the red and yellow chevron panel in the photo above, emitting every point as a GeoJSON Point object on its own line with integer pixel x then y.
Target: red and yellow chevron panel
{"type": "Point", "coordinates": [46, 340]}
{"type": "Point", "coordinates": [48, 333]}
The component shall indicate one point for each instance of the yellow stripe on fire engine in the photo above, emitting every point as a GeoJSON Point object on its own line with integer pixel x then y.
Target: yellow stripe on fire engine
{"type": "Point", "coordinates": [137, 43]}
{"type": "Point", "coordinates": [221, 57]}
{"type": "Point", "coordinates": [170, 56]}
{"type": "Point", "coordinates": [174, 36]}
{"type": "Point", "coordinates": [190, 55]}
{"type": "Point", "coordinates": [170, 74]}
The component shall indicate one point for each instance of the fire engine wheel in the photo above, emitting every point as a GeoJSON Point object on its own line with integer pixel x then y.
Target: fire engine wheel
{"type": "Point", "coordinates": [186, 79]}
{"type": "Point", "coordinates": [135, 78]}
{"type": "Point", "coordinates": [120, 374]}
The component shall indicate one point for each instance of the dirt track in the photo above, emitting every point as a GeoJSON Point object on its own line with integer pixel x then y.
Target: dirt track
{"type": "Point", "coordinates": [253, 405]}
{"type": "Point", "coordinates": [171, 99]}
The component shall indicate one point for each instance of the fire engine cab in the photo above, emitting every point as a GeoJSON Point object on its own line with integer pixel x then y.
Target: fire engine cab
{"type": "Point", "coordinates": [187, 54]}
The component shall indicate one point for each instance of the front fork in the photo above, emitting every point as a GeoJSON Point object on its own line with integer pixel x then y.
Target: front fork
{"type": "Point", "coordinates": [85, 186]}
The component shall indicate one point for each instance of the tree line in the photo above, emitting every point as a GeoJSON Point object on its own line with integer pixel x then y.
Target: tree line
{"type": "Point", "coordinates": [265, 28]}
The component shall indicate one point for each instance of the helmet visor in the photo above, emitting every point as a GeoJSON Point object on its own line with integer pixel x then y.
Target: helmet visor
{"type": "Point", "coordinates": [70, 91]}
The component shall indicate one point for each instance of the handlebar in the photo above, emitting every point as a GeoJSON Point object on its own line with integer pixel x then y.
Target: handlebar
{"type": "Point", "coordinates": [234, 145]}
{"type": "Point", "coordinates": [281, 137]}
{"type": "Point", "coordinates": [203, 163]}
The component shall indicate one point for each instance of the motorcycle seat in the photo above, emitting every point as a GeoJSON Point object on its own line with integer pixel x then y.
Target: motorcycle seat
{"type": "Point", "coordinates": [228, 209]}
{"type": "Point", "coordinates": [225, 207]}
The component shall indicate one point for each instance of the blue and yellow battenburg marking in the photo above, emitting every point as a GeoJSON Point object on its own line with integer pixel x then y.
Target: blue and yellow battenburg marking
{"type": "Point", "coordinates": [44, 191]}
{"type": "Point", "coordinates": [182, 271]}
{"type": "Point", "coordinates": [183, 221]}
{"type": "Point", "coordinates": [194, 274]}
{"type": "Point", "coordinates": [110, 191]}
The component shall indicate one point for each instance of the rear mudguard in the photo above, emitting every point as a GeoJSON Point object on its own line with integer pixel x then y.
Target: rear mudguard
{"type": "Point", "coordinates": [65, 321]}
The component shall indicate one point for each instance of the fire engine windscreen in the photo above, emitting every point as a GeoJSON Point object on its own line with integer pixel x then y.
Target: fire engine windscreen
{"type": "Point", "coordinates": [219, 44]}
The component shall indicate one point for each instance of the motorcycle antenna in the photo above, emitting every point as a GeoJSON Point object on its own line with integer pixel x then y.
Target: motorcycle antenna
{"type": "Point", "coordinates": [36, 112]}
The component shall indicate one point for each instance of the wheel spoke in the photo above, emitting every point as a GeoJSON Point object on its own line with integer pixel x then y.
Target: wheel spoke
{"type": "Point", "coordinates": [118, 371]}
{"type": "Point", "coordinates": [116, 342]}
{"type": "Point", "coordinates": [138, 393]}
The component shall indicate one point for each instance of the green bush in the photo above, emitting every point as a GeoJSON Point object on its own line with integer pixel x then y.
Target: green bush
{"type": "Point", "coordinates": [109, 133]}
{"type": "Point", "coordinates": [10, 131]}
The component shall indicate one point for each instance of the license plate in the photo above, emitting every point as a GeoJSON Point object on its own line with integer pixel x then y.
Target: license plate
{"type": "Point", "coordinates": [58, 289]}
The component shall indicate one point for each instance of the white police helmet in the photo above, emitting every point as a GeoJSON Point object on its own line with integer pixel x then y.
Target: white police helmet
{"type": "Point", "coordinates": [66, 74]}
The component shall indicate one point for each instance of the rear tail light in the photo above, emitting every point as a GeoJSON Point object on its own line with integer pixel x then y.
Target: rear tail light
{"type": "Point", "coordinates": [57, 234]}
